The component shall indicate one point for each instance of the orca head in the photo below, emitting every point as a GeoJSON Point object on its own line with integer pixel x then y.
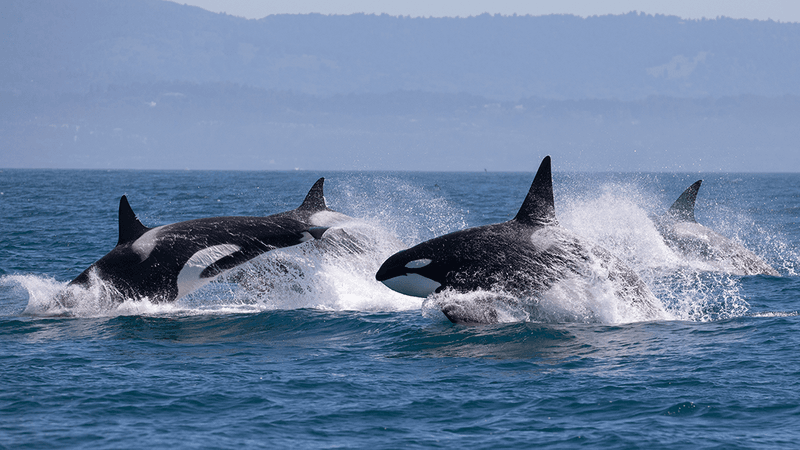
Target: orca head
{"type": "Point", "coordinates": [413, 272]}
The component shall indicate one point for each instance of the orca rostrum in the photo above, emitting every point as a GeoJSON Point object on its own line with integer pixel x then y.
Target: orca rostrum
{"type": "Point", "coordinates": [167, 262]}
{"type": "Point", "coordinates": [524, 256]}
{"type": "Point", "coordinates": [684, 235]}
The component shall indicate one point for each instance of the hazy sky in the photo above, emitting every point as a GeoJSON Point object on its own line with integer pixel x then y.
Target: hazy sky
{"type": "Point", "coordinates": [780, 10]}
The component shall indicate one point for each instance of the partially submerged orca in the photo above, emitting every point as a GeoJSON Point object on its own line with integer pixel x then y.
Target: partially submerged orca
{"type": "Point", "coordinates": [168, 262]}
{"type": "Point", "coordinates": [525, 256]}
{"type": "Point", "coordinates": [683, 234]}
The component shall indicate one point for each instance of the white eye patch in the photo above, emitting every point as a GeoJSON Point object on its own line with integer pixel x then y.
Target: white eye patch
{"type": "Point", "coordinates": [418, 263]}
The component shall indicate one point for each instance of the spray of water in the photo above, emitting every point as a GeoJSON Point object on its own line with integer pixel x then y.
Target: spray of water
{"type": "Point", "coordinates": [691, 287]}
{"type": "Point", "coordinates": [586, 285]}
{"type": "Point", "coordinates": [334, 273]}
{"type": "Point", "coordinates": [337, 272]}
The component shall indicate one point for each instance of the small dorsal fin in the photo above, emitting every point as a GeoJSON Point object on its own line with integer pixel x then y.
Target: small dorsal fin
{"type": "Point", "coordinates": [315, 200]}
{"type": "Point", "coordinates": [539, 206]}
{"type": "Point", "coordinates": [683, 208]}
{"type": "Point", "coordinates": [130, 228]}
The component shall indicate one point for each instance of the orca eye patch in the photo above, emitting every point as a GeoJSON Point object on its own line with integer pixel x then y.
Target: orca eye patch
{"type": "Point", "coordinates": [418, 263]}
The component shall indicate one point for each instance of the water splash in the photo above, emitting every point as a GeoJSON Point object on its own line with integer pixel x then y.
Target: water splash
{"type": "Point", "coordinates": [594, 295]}
{"type": "Point", "coordinates": [620, 219]}
{"type": "Point", "coordinates": [336, 273]}
{"type": "Point", "coordinates": [409, 211]}
{"type": "Point", "coordinates": [48, 297]}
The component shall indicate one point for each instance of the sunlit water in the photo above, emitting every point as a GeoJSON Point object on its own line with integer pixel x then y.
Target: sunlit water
{"type": "Point", "coordinates": [303, 347]}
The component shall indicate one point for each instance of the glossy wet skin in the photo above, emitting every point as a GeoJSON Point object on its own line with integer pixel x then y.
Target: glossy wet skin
{"type": "Point", "coordinates": [170, 261]}
{"type": "Point", "coordinates": [151, 266]}
{"type": "Point", "coordinates": [503, 255]}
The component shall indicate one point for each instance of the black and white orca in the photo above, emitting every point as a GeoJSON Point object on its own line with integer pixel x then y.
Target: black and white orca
{"type": "Point", "coordinates": [167, 262]}
{"type": "Point", "coordinates": [525, 256]}
{"type": "Point", "coordinates": [685, 236]}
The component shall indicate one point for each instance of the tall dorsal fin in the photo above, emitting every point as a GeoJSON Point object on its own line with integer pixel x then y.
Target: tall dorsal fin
{"type": "Point", "coordinates": [130, 228]}
{"type": "Point", "coordinates": [315, 200]}
{"type": "Point", "coordinates": [539, 206]}
{"type": "Point", "coordinates": [683, 208]}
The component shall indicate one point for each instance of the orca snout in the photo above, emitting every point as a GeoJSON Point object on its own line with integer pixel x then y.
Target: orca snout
{"type": "Point", "coordinates": [387, 270]}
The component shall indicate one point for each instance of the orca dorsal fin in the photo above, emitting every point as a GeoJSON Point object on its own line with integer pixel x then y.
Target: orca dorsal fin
{"type": "Point", "coordinates": [539, 206]}
{"type": "Point", "coordinates": [130, 228]}
{"type": "Point", "coordinates": [315, 200]}
{"type": "Point", "coordinates": [683, 208]}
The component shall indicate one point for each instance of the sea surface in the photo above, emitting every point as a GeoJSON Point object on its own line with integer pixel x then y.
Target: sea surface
{"type": "Point", "coordinates": [302, 348]}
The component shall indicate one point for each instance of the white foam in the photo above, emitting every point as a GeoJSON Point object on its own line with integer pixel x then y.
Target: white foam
{"type": "Point", "coordinates": [49, 297]}
{"type": "Point", "coordinates": [336, 273]}
{"type": "Point", "coordinates": [619, 220]}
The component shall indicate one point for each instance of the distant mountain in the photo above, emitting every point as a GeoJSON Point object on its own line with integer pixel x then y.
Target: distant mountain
{"type": "Point", "coordinates": [150, 84]}
{"type": "Point", "coordinates": [56, 46]}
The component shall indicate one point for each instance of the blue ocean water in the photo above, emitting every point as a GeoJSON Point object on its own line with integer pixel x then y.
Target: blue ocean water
{"type": "Point", "coordinates": [303, 348]}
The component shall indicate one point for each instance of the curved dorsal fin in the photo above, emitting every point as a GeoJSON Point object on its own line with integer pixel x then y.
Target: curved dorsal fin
{"type": "Point", "coordinates": [315, 200]}
{"type": "Point", "coordinates": [683, 208]}
{"type": "Point", "coordinates": [130, 228]}
{"type": "Point", "coordinates": [539, 207]}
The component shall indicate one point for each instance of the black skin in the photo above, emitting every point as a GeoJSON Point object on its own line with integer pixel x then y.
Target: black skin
{"type": "Point", "coordinates": [499, 255]}
{"type": "Point", "coordinates": [156, 276]}
{"type": "Point", "coordinates": [503, 257]}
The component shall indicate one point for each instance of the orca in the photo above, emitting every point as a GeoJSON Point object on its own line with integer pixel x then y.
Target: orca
{"type": "Point", "coordinates": [314, 210]}
{"type": "Point", "coordinates": [684, 235]}
{"type": "Point", "coordinates": [524, 256]}
{"type": "Point", "coordinates": [167, 262]}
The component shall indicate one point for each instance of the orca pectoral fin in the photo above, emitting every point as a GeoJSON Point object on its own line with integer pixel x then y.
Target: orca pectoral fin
{"type": "Point", "coordinates": [683, 208]}
{"type": "Point", "coordinates": [228, 262]}
{"type": "Point", "coordinates": [539, 206]}
{"type": "Point", "coordinates": [317, 232]}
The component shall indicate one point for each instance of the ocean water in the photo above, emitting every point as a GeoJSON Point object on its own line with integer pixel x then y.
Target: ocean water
{"type": "Point", "coordinates": [303, 348]}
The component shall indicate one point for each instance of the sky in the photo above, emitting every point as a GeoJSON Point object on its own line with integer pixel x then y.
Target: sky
{"type": "Point", "coordinates": [778, 10]}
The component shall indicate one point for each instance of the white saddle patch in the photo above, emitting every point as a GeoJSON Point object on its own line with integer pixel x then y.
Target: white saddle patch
{"type": "Point", "coordinates": [189, 277]}
{"type": "Point", "coordinates": [146, 243]}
